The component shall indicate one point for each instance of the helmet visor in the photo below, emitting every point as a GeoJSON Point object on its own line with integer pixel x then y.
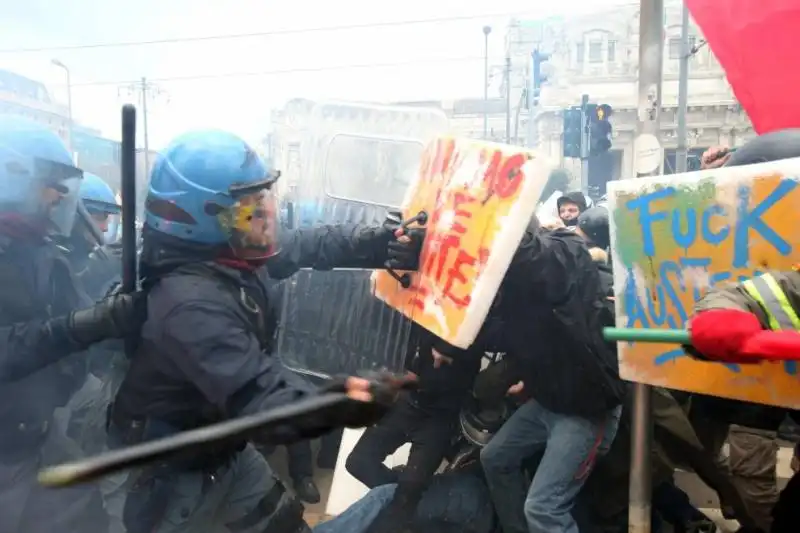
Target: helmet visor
{"type": "Point", "coordinates": [55, 195]}
{"type": "Point", "coordinates": [106, 217]}
{"type": "Point", "coordinates": [252, 224]}
{"type": "Point", "coordinates": [113, 233]}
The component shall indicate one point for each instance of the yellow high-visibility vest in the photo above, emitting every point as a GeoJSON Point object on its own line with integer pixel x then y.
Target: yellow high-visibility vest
{"type": "Point", "coordinates": [767, 292]}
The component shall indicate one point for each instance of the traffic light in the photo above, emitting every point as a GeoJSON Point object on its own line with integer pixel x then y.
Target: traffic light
{"type": "Point", "coordinates": [572, 132]}
{"type": "Point", "coordinates": [538, 79]}
{"type": "Point", "coordinates": [599, 128]}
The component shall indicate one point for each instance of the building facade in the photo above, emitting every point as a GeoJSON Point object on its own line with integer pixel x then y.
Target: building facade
{"type": "Point", "coordinates": [594, 54]}
{"type": "Point", "coordinates": [29, 98]}
{"type": "Point", "coordinates": [597, 54]}
{"type": "Point", "coordinates": [93, 153]}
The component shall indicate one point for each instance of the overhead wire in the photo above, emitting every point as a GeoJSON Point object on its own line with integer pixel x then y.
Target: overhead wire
{"type": "Point", "coordinates": [269, 33]}
{"type": "Point", "coordinates": [290, 31]}
{"type": "Point", "coordinates": [277, 32]}
{"type": "Point", "coordinates": [295, 70]}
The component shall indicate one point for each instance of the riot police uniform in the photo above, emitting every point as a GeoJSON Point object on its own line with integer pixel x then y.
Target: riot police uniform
{"type": "Point", "coordinates": [205, 351]}
{"type": "Point", "coordinates": [98, 268]}
{"type": "Point", "coordinates": [39, 328]}
{"type": "Point", "coordinates": [98, 265]}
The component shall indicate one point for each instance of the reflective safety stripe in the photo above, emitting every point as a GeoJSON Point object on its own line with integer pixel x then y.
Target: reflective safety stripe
{"type": "Point", "coordinates": [767, 292]}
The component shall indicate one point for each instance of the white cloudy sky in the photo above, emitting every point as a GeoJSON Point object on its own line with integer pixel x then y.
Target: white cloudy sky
{"type": "Point", "coordinates": [207, 96]}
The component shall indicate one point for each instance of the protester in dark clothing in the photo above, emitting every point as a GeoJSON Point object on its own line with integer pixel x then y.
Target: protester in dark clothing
{"type": "Point", "coordinates": [570, 206]}
{"type": "Point", "coordinates": [593, 225]}
{"type": "Point", "coordinates": [445, 373]}
{"type": "Point", "coordinates": [553, 309]}
{"type": "Point", "coordinates": [552, 305]}
{"type": "Point", "coordinates": [426, 417]}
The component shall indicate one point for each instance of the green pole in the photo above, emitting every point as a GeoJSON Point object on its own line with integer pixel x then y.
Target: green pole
{"type": "Point", "coordinates": [666, 336]}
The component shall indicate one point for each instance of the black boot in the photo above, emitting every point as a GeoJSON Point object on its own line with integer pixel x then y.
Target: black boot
{"type": "Point", "coordinates": [307, 490]}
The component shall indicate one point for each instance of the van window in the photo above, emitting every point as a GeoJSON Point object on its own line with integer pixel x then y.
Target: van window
{"type": "Point", "coordinates": [371, 170]}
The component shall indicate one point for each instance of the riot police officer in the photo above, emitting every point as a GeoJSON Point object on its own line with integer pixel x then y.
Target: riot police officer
{"type": "Point", "coordinates": [39, 327]}
{"type": "Point", "coordinates": [38, 196]}
{"type": "Point", "coordinates": [98, 270]}
{"type": "Point", "coordinates": [205, 352]}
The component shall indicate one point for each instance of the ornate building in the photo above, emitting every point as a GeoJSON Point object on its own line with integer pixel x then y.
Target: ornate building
{"type": "Point", "coordinates": [597, 54]}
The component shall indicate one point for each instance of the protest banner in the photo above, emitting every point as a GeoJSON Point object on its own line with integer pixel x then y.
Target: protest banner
{"type": "Point", "coordinates": [479, 198]}
{"type": "Point", "coordinates": [674, 237]}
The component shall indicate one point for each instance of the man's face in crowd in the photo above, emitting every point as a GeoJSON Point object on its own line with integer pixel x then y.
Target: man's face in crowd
{"type": "Point", "coordinates": [568, 211]}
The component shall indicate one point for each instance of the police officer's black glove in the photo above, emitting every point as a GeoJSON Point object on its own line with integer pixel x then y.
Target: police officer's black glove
{"type": "Point", "coordinates": [403, 255]}
{"type": "Point", "coordinates": [116, 317]}
{"type": "Point", "coordinates": [385, 389]}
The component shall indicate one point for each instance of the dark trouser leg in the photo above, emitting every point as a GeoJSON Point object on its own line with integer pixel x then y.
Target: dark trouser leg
{"type": "Point", "coordinates": [430, 442]}
{"type": "Point", "coordinates": [365, 462]}
{"type": "Point", "coordinates": [301, 471]}
{"type": "Point", "coordinates": [329, 450]}
{"type": "Point", "coordinates": [300, 460]}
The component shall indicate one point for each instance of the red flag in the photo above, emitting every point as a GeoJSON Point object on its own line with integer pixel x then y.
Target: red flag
{"type": "Point", "coordinates": [758, 44]}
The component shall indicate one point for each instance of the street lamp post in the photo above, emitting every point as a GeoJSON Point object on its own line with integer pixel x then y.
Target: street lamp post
{"type": "Point", "coordinates": [59, 64]}
{"type": "Point", "coordinates": [486, 31]}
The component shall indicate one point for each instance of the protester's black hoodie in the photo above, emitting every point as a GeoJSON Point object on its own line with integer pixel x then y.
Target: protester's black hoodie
{"type": "Point", "coordinates": [554, 306]}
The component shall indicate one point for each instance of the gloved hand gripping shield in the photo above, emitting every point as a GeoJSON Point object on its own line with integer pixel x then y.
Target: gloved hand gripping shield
{"type": "Point", "coordinates": [252, 222]}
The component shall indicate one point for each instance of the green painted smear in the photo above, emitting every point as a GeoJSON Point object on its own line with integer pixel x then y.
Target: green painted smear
{"type": "Point", "coordinates": [629, 244]}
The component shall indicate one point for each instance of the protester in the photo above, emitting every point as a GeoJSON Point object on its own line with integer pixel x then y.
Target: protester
{"type": "Point", "coordinates": [570, 206]}
{"type": "Point", "coordinates": [553, 308]}
{"type": "Point", "coordinates": [426, 417]}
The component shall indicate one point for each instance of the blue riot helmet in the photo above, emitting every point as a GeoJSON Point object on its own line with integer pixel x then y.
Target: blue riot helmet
{"type": "Point", "coordinates": [211, 189]}
{"type": "Point", "coordinates": [38, 181]}
{"type": "Point", "coordinates": [101, 204]}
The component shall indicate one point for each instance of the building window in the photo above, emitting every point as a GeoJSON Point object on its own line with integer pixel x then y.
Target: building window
{"type": "Point", "coordinates": [581, 52]}
{"type": "Point", "coordinates": [612, 51]}
{"type": "Point", "coordinates": [675, 47]}
{"type": "Point", "coordinates": [595, 51]}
